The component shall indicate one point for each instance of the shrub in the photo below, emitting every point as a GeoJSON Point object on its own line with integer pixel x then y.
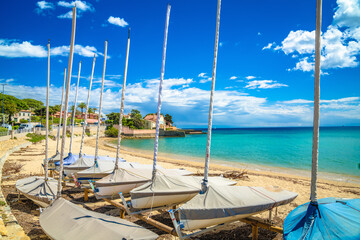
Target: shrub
{"type": "Point", "coordinates": [87, 134]}
{"type": "Point", "coordinates": [2, 129]}
{"type": "Point", "coordinates": [24, 121]}
{"type": "Point", "coordinates": [34, 138]}
{"type": "Point", "coordinates": [112, 132]}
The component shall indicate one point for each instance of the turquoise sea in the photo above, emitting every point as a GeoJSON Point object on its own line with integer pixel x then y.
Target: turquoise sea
{"type": "Point", "coordinates": [339, 148]}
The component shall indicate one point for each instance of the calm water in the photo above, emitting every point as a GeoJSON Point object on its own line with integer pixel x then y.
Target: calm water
{"type": "Point", "coordinates": [339, 149]}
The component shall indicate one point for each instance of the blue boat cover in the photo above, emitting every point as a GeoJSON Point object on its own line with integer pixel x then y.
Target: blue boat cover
{"type": "Point", "coordinates": [330, 218]}
{"type": "Point", "coordinates": [70, 159]}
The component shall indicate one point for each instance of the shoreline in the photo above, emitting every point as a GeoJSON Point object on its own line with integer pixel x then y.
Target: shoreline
{"type": "Point", "coordinates": [32, 157]}
{"type": "Point", "coordinates": [238, 165]}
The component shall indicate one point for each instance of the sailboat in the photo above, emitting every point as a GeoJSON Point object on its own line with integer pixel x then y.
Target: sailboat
{"type": "Point", "coordinates": [166, 190]}
{"type": "Point", "coordinates": [56, 156]}
{"type": "Point", "coordinates": [76, 222]}
{"type": "Point", "coordinates": [41, 190]}
{"type": "Point", "coordinates": [85, 161]}
{"type": "Point", "coordinates": [215, 204]}
{"type": "Point", "coordinates": [326, 218]}
{"type": "Point", "coordinates": [65, 220]}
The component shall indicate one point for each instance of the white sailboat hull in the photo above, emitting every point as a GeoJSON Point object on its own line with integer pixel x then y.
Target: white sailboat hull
{"type": "Point", "coordinates": [157, 200]}
{"type": "Point", "coordinates": [42, 202]}
{"type": "Point", "coordinates": [112, 191]}
{"type": "Point", "coordinates": [190, 224]}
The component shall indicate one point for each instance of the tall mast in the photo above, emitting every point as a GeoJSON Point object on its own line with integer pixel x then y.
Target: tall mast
{"type": "Point", "coordinates": [122, 102]}
{"type": "Point", "coordinates": [160, 90]}
{"type": "Point", "coordinates": [73, 115]}
{"type": "Point", "coordinates": [87, 107]}
{"type": "Point", "coordinates": [100, 106]}
{"type": "Point", "coordinates": [315, 148]}
{"type": "Point", "coordinates": [47, 115]}
{"type": "Point", "coordinates": [204, 184]}
{"type": "Point", "coordinates": [61, 113]}
{"type": "Point", "coordinates": [71, 55]}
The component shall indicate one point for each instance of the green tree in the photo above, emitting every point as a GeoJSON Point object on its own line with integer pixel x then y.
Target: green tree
{"type": "Point", "coordinates": [32, 103]}
{"type": "Point", "coordinates": [168, 119]}
{"type": "Point", "coordinates": [56, 108]}
{"type": "Point", "coordinates": [114, 117]}
{"type": "Point", "coordinates": [137, 119]}
{"type": "Point", "coordinates": [12, 105]}
{"type": "Point", "coordinates": [82, 106]}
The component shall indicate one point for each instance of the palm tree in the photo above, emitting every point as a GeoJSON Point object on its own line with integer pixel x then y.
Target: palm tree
{"type": "Point", "coordinates": [82, 106]}
{"type": "Point", "coordinates": [94, 109]}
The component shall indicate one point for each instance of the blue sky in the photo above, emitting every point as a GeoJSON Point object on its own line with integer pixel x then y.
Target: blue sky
{"type": "Point", "coordinates": [265, 61]}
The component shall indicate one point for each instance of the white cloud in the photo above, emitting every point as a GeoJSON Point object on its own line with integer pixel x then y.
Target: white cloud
{"type": "Point", "coordinates": [269, 46]}
{"type": "Point", "coordinates": [340, 42]}
{"type": "Point", "coordinates": [250, 77]}
{"type": "Point", "coordinates": [87, 51]}
{"type": "Point", "coordinates": [221, 44]}
{"type": "Point", "coordinates": [14, 49]}
{"type": "Point", "coordinates": [81, 6]}
{"type": "Point", "coordinates": [67, 15]}
{"type": "Point", "coordinates": [259, 33]}
{"type": "Point", "coordinates": [205, 80]}
{"type": "Point", "coordinates": [9, 80]}
{"type": "Point", "coordinates": [190, 104]}
{"type": "Point", "coordinates": [347, 13]}
{"type": "Point", "coordinates": [202, 75]}
{"type": "Point", "coordinates": [43, 5]}
{"type": "Point", "coordinates": [297, 101]}
{"type": "Point", "coordinates": [117, 21]}
{"type": "Point", "coordinates": [233, 77]}
{"type": "Point", "coordinates": [264, 84]}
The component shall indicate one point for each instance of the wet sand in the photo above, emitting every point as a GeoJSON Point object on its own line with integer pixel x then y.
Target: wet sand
{"type": "Point", "coordinates": [31, 158]}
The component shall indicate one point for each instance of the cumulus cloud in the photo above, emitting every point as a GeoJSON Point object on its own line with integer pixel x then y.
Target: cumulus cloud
{"type": "Point", "coordinates": [202, 75]}
{"type": "Point", "coordinates": [264, 84]}
{"type": "Point", "coordinates": [15, 49]}
{"type": "Point", "coordinates": [42, 6]}
{"type": "Point", "coordinates": [269, 46]}
{"type": "Point", "coordinates": [250, 77]}
{"type": "Point", "coordinates": [190, 104]}
{"type": "Point", "coordinates": [340, 42]}
{"type": "Point", "coordinates": [117, 21]}
{"type": "Point", "coordinates": [233, 78]}
{"type": "Point", "coordinates": [205, 80]}
{"type": "Point", "coordinates": [81, 6]}
{"type": "Point", "coordinates": [87, 51]}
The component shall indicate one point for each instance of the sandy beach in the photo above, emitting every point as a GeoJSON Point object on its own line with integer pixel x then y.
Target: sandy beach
{"type": "Point", "coordinates": [31, 158]}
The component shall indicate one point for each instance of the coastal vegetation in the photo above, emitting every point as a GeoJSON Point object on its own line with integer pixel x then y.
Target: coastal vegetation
{"type": "Point", "coordinates": [34, 137]}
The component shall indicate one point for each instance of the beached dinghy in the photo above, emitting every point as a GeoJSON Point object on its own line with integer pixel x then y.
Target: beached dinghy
{"type": "Point", "coordinates": [85, 162]}
{"type": "Point", "coordinates": [65, 220]}
{"type": "Point", "coordinates": [104, 168]}
{"type": "Point", "coordinates": [221, 204]}
{"type": "Point", "coordinates": [41, 190]}
{"type": "Point", "coordinates": [167, 190]}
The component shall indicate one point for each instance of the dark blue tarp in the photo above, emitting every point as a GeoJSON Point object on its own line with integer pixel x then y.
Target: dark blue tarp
{"type": "Point", "coordinates": [331, 218]}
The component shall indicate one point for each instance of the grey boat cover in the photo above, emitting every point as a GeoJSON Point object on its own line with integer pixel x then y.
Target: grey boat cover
{"type": "Point", "coordinates": [125, 176]}
{"type": "Point", "coordinates": [65, 220]}
{"type": "Point", "coordinates": [86, 162]}
{"type": "Point", "coordinates": [225, 201]}
{"type": "Point", "coordinates": [108, 167]}
{"type": "Point", "coordinates": [166, 185]}
{"type": "Point", "coordinates": [38, 188]}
